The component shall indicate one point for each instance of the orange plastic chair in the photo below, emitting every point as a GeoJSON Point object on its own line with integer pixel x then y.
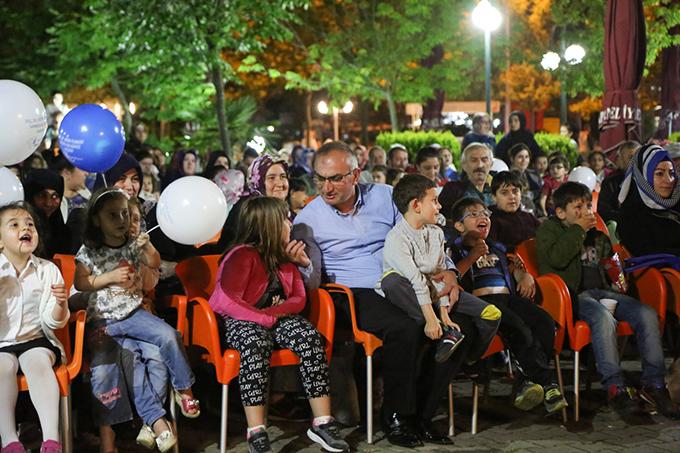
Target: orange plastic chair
{"type": "Point", "coordinates": [370, 343]}
{"type": "Point", "coordinates": [66, 373]}
{"type": "Point", "coordinates": [672, 278]}
{"type": "Point", "coordinates": [650, 289]}
{"type": "Point", "coordinates": [200, 326]}
{"type": "Point", "coordinates": [601, 225]}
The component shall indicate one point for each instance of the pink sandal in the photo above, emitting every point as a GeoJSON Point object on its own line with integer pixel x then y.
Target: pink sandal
{"type": "Point", "coordinates": [13, 447]}
{"type": "Point", "coordinates": [50, 446]}
{"type": "Point", "coordinates": [190, 407]}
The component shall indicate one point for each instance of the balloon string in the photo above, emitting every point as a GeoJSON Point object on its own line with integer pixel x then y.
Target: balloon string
{"type": "Point", "coordinates": [104, 178]}
{"type": "Point", "coordinates": [149, 231]}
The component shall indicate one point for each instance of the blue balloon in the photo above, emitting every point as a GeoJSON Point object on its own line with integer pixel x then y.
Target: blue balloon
{"type": "Point", "coordinates": [91, 138]}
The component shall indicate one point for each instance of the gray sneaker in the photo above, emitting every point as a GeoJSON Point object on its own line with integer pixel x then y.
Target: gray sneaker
{"type": "Point", "coordinates": [328, 436]}
{"type": "Point", "coordinates": [554, 400]}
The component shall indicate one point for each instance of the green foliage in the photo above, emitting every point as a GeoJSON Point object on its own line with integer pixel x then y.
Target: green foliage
{"type": "Point", "coordinates": [373, 49]}
{"type": "Point", "coordinates": [550, 143]}
{"type": "Point", "coordinates": [413, 141]}
{"type": "Point", "coordinates": [239, 114]}
{"type": "Point", "coordinates": [674, 137]}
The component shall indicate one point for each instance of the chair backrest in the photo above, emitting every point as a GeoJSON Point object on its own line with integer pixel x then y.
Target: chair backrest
{"type": "Point", "coordinates": [198, 275]}
{"type": "Point", "coordinates": [601, 225]}
{"type": "Point", "coordinates": [67, 266]}
{"type": "Point", "coordinates": [322, 315]}
{"type": "Point", "coordinates": [203, 330]}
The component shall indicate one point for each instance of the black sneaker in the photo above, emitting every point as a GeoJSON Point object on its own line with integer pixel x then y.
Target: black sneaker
{"type": "Point", "coordinates": [623, 400]}
{"type": "Point", "coordinates": [658, 397]}
{"type": "Point", "coordinates": [448, 343]}
{"type": "Point", "coordinates": [328, 436]}
{"type": "Point", "coordinates": [258, 442]}
{"type": "Point", "coordinates": [554, 400]}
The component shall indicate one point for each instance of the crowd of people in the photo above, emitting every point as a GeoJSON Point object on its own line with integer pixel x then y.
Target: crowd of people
{"type": "Point", "coordinates": [423, 248]}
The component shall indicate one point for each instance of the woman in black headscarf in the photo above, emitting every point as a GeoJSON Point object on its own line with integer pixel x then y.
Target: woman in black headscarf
{"type": "Point", "coordinates": [44, 189]}
{"type": "Point", "coordinates": [650, 203]}
{"type": "Point", "coordinates": [518, 134]}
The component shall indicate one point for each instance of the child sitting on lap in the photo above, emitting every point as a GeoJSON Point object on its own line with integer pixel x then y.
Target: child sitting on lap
{"type": "Point", "coordinates": [527, 329]}
{"type": "Point", "coordinates": [33, 304]}
{"type": "Point", "coordinates": [413, 253]}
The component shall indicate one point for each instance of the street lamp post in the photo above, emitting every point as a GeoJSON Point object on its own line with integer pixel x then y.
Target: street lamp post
{"type": "Point", "coordinates": [573, 54]}
{"type": "Point", "coordinates": [323, 109]}
{"type": "Point", "coordinates": [488, 19]}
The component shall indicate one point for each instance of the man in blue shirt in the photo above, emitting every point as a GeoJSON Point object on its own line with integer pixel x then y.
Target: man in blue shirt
{"type": "Point", "coordinates": [345, 229]}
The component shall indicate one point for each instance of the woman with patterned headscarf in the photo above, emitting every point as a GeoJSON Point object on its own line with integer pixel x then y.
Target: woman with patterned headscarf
{"type": "Point", "coordinates": [268, 178]}
{"type": "Point", "coordinates": [650, 203]}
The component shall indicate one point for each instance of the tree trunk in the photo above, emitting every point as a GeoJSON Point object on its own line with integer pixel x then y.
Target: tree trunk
{"type": "Point", "coordinates": [225, 139]}
{"type": "Point", "coordinates": [392, 106]}
{"type": "Point", "coordinates": [127, 117]}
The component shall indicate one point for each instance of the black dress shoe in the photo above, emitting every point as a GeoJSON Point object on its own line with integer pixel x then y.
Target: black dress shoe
{"type": "Point", "coordinates": [427, 433]}
{"type": "Point", "coordinates": [399, 433]}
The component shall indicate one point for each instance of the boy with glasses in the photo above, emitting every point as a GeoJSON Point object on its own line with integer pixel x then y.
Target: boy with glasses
{"type": "Point", "coordinates": [525, 328]}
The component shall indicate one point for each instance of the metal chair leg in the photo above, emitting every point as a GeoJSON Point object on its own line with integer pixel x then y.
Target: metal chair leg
{"type": "Point", "coordinates": [451, 421]}
{"type": "Point", "coordinates": [369, 399]}
{"type": "Point", "coordinates": [475, 406]}
{"type": "Point", "coordinates": [558, 368]}
{"type": "Point", "coordinates": [576, 385]}
{"type": "Point", "coordinates": [511, 374]}
{"type": "Point", "coordinates": [223, 418]}
{"type": "Point", "coordinates": [66, 439]}
{"type": "Point", "coordinates": [173, 416]}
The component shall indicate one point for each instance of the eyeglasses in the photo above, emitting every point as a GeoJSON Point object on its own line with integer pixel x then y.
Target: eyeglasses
{"type": "Point", "coordinates": [335, 179]}
{"type": "Point", "coordinates": [476, 214]}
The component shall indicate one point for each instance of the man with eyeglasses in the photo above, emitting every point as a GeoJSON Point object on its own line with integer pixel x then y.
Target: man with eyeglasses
{"type": "Point", "coordinates": [345, 230]}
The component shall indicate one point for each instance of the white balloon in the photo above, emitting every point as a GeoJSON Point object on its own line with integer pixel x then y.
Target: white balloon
{"type": "Point", "coordinates": [11, 188]}
{"type": "Point", "coordinates": [499, 165]}
{"type": "Point", "coordinates": [585, 176]}
{"type": "Point", "coordinates": [23, 122]}
{"type": "Point", "coordinates": [191, 210]}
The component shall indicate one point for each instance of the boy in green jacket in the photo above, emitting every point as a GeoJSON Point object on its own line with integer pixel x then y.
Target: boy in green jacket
{"type": "Point", "coordinates": [568, 245]}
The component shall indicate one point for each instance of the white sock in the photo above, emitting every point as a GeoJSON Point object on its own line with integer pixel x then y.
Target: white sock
{"type": "Point", "coordinates": [322, 420]}
{"type": "Point", "coordinates": [43, 388]}
{"type": "Point", "coordinates": [254, 428]}
{"type": "Point", "coordinates": [9, 365]}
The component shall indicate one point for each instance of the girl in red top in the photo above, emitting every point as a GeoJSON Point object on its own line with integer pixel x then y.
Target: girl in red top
{"type": "Point", "coordinates": [259, 293]}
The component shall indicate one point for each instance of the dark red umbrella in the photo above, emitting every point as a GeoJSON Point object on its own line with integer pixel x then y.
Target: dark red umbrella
{"type": "Point", "coordinates": [670, 89]}
{"type": "Point", "coordinates": [625, 45]}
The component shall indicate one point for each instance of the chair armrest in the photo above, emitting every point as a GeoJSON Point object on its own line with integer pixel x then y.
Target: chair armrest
{"type": "Point", "coordinates": [76, 363]}
{"type": "Point", "coordinates": [322, 315]}
{"type": "Point", "coordinates": [179, 302]}
{"type": "Point", "coordinates": [672, 278]}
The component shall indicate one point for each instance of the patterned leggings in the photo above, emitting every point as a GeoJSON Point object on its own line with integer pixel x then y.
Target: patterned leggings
{"type": "Point", "coordinates": [255, 344]}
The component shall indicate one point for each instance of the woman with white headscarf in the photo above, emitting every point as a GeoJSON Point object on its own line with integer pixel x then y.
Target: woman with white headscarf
{"type": "Point", "coordinates": [650, 203]}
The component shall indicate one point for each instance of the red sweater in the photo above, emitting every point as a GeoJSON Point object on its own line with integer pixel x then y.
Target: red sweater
{"type": "Point", "coordinates": [242, 279]}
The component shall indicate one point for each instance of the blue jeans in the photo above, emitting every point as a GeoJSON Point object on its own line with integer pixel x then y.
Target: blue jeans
{"type": "Point", "coordinates": [149, 379]}
{"type": "Point", "coordinates": [143, 326]}
{"type": "Point", "coordinates": [643, 320]}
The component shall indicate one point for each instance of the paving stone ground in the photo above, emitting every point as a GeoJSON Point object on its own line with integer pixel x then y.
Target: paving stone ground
{"type": "Point", "coordinates": [501, 428]}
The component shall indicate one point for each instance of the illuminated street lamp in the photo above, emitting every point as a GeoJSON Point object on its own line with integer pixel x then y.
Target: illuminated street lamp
{"type": "Point", "coordinates": [573, 55]}
{"type": "Point", "coordinates": [488, 19]}
{"type": "Point", "coordinates": [323, 108]}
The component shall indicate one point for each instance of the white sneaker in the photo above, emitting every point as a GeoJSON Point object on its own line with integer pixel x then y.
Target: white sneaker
{"type": "Point", "coordinates": [146, 437]}
{"type": "Point", "coordinates": [165, 441]}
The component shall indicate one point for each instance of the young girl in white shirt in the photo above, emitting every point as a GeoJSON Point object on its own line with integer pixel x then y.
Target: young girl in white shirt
{"type": "Point", "coordinates": [33, 303]}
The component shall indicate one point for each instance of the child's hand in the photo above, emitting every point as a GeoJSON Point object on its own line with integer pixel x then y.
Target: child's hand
{"type": "Point", "coordinates": [142, 240]}
{"type": "Point", "coordinates": [59, 292]}
{"type": "Point", "coordinates": [296, 253]}
{"type": "Point", "coordinates": [444, 315]}
{"type": "Point", "coordinates": [526, 286]}
{"type": "Point", "coordinates": [479, 249]}
{"type": "Point", "coordinates": [121, 276]}
{"type": "Point", "coordinates": [454, 295]}
{"type": "Point", "coordinates": [586, 221]}
{"type": "Point", "coordinates": [433, 329]}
